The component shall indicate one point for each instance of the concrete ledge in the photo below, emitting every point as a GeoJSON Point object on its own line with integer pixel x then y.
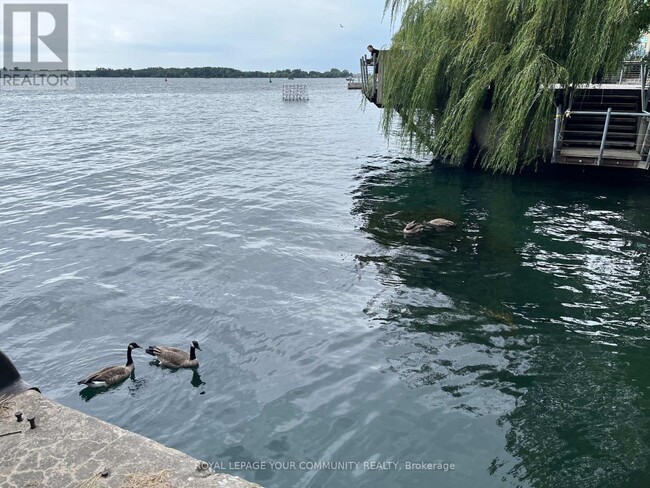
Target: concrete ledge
{"type": "Point", "coordinates": [69, 448]}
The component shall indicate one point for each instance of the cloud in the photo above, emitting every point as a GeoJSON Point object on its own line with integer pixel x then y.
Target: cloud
{"type": "Point", "coordinates": [243, 34]}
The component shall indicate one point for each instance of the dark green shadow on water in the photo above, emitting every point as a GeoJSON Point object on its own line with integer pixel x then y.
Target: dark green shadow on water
{"type": "Point", "coordinates": [550, 275]}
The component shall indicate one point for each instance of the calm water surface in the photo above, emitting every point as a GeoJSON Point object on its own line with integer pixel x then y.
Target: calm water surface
{"type": "Point", "coordinates": [515, 346]}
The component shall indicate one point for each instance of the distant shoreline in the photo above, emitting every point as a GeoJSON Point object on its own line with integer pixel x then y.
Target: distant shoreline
{"type": "Point", "coordinates": [208, 72]}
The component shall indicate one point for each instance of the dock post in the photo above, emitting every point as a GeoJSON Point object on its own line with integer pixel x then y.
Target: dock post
{"type": "Point", "coordinates": [556, 133]}
{"type": "Point", "coordinates": [374, 76]}
{"type": "Point", "coordinates": [602, 142]}
{"type": "Point", "coordinates": [364, 77]}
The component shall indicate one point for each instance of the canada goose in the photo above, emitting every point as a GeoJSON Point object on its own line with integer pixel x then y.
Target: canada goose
{"type": "Point", "coordinates": [172, 357]}
{"type": "Point", "coordinates": [412, 229]}
{"type": "Point", "coordinates": [440, 224]}
{"type": "Point", "coordinates": [112, 375]}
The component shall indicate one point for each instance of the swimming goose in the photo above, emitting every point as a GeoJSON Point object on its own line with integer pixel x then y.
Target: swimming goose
{"type": "Point", "coordinates": [412, 229]}
{"type": "Point", "coordinates": [440, 224]}
{"type": "Point", "coordinates": [172, 357]}
{"type": "Point", "coordinates": [112, 375]}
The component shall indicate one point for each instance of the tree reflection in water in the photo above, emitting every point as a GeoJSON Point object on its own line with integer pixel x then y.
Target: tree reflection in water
{"type": "Point", "coordinates": [534, 308]}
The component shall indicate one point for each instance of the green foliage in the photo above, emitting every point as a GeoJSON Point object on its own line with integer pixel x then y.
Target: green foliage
{"type": "Point", "coordinates": [453, 59]}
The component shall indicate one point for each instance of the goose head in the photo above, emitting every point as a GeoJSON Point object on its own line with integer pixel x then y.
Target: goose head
{"type": "Point", "coordinates": [195, 345]}
{"type": "Point", "coordinates": [413, 228]}
{"type": "Point", "coordinates": [133, 345]}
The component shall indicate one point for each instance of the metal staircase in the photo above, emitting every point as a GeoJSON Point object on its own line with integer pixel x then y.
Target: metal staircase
{"type": "Point", "coordinates": [606, 124]}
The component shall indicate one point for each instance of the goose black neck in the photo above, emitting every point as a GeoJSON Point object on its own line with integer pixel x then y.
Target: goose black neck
{"type": "Point", "coordinates": [192, 353]}
{"type": "Point", "coordinates": [129, 359]}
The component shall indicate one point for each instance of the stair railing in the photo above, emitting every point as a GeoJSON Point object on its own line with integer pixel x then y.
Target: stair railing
{"type": "Point", "coordinates": [364, 77]}
{"type": "Point", "coordinates": [558, 132]}
{"type": "Point", "coordinates": [604, 139]}
{"type": "Point", "coordinates": [369, 89]}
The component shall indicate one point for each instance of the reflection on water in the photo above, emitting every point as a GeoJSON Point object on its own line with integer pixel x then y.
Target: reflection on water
{"type": "Point", "coordinates": [534, 307]}
{"type": "Point", "coordinates": [196, 379]}
{"type": "Point", "coordinates": [132, 384]}
{"type": "Point", "coordinates": [90, 392]}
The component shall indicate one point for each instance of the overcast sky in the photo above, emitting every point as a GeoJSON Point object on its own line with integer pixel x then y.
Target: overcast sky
{"type": "Point", "coordinates": [244, 34]}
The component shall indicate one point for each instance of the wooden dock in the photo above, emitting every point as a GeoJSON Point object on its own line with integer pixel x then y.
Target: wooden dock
{"type": "Point", "coordinates": [603, 124]}
{"type": "Point", "coordinates": [619, 158]}
{"type": "Point", "coordinates": [371, 76]}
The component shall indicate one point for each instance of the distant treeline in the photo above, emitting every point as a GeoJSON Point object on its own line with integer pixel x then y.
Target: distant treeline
{"type": "Point", "coordinates": [210, 72]}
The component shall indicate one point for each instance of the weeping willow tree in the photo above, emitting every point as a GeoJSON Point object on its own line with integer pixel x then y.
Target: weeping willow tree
{"type": "Point", "coordinates": [451, 60]}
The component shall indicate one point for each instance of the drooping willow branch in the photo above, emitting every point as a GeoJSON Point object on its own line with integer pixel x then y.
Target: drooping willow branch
{"type": "Point", "coordinates": [452, 59]}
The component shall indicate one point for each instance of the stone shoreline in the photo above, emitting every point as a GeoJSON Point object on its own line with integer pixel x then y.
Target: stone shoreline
{"type": "Point", "coordinates": [71, 449]}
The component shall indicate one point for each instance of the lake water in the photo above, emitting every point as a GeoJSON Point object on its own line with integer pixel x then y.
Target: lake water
{"type": "Point", "coordinates": [515, 346]}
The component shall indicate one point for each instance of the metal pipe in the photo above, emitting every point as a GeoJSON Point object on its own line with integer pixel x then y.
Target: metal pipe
{"type": "Point", "coordinates": [11, 433]}
{"type": "Point", "coordinates": [615, 114]}
{"type": "Point", "coordinates": [602, 143]}
{"type": "Point", "coordinates": [556, 133]}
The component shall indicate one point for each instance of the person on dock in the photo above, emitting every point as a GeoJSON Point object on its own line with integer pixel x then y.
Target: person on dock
{"type": "Point", "coordinates": [373, 56]}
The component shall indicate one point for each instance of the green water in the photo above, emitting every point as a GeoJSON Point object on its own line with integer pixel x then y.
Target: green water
{"type": "Point", "coordinates": [548, 279]}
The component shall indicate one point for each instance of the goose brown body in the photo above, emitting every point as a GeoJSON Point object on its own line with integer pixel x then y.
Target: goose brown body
{"type": "Point", "coordinates": [173, 357]}
{"type": "Point", "coordinates": [111, 375]}
{"type": "Point", "coordinates": [413, 228]}
{"type": "Point", "coordinates": [439, 224]}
